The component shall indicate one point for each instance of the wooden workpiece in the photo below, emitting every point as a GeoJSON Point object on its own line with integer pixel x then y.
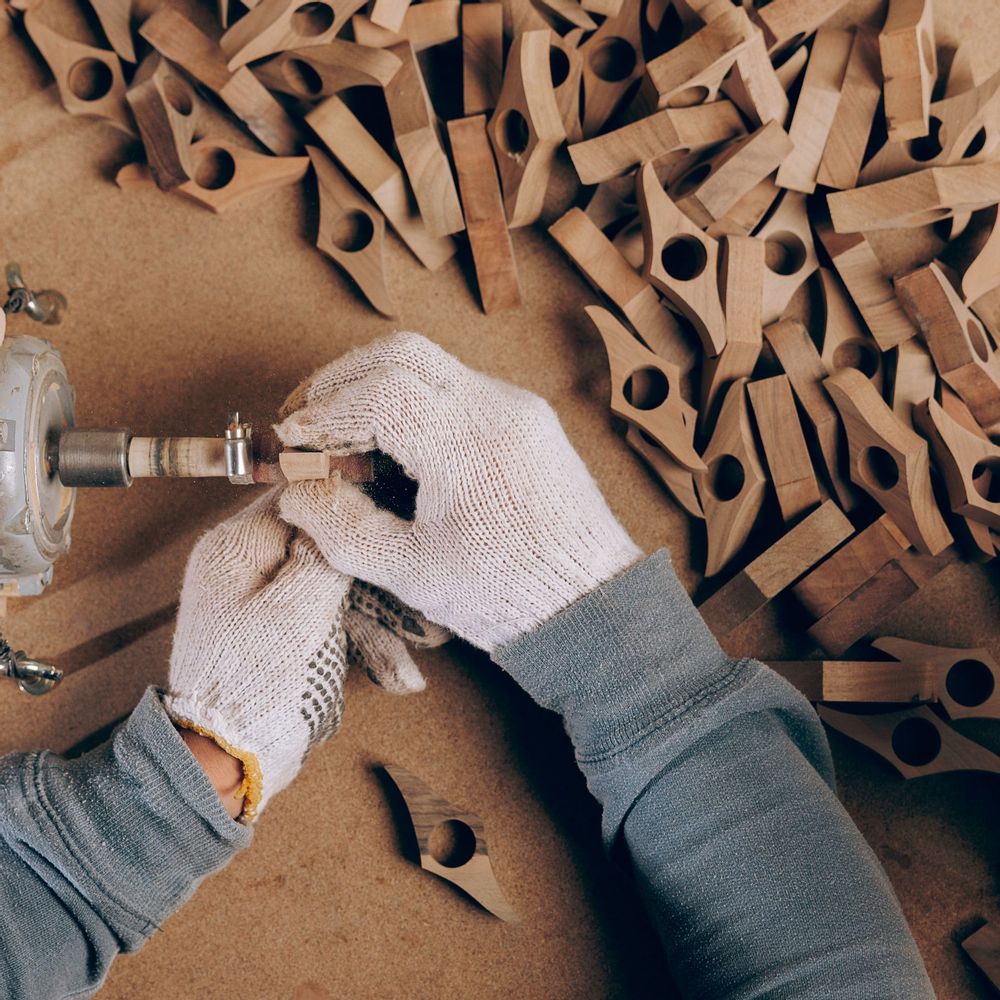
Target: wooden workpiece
{"type": "Point", "coordinates": [90, 80]}
{"type": "Point", "coordinates": [860, 681]}
{"type": "Point", "coordinates": [844, 341]}
{"type": "Point", "coordinates": [467, 864]}
{"type": "Point", "coordinates": [389, 14]}
{"type": "Point", "coordinates": [482, 56]}
{"type": "Point", "coordinates": [659, 408]}
{"type": "Point", "coordinates": [772, 572]}
{"type": "Point", "coordinates": [914, 741]}
{"type": "Point", "coordinates": [351, 232]}
{"type": "Point", "coordinates": [485, 223]}
{"type": "Point", "coordinates": [354, 147]}
{"type": "Point", "coordinates": [526, 129]}
{"type": "Point", "coordinates": [425, 25]}
{"type": "Point", "coordinates": [974, 258]}
{"type": "Point", "coordinates": [566, 66]}
{"type": "Point", "coordinates": [652, 138]}
{"type": "Point", "coordinates": [613, 60]}
{"type": "Point", "coordinates": [318, 71]}
{"type": "Point", "coordinates": [789, 253]}
{"type": "Point", "coordinates": [909, 67]}
{"type": "Point", "coordinates": [681, 261]}
{"type": "Point", "coordinates": [785, 449]}
{"type": "Point", "coordinates": [754, 86]}
{"type": "Point", "coordinates": [913, 378]}
{"type": "Point", "coordinates": [967, 681]}
{"type": "Point", "coordinates": [115, 17]}
{"type": "Point", "coordinates": [747, 214]}
{"type": "Point", "coordinates": [787, 22]}
{"type": "Point", "coordinates": [983, 947]}
{"type": "Point", "coordinates": [677, 480]}
{"type": "Point", "coordinates": [816, 109]}
{"type": "Point", "coordinates": [957, 342]}
{"type": "Point", "coordinates": [731, 487]}
{"type": "Point", "coordinates": [415, 129]}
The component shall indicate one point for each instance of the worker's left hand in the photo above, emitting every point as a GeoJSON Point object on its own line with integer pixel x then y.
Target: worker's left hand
{"type": "Point", "coordinates": [265, 634]}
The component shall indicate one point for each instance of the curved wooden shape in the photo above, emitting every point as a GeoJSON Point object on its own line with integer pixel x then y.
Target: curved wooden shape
{"type": "Point", "coordinates": [681, 261]}
{"type": "Point", "coordinates": [677, 480]}
{"type": "Point", "coordinates": [90, 80]}
{"type": "Point", "coordinates": [913, 378]}
{"type": "Point", "coordinates": [789, 21]}
{"type": "Point", "coordinates": [433, 22]}
{"type": "Point", "coordinates": [972, 674]}
{"type": "Point", "coordinates": [351, 232]}
{"type": "Point", "coordinates": [116, 21]}
{"type": "Point", "coordinates": [665, 417]}
{"type": "Point", "coordinates": [567, 90]}
{"type": "Point", "coordinates": [888, 461]}
{"type": "Point", "coordinates": [482, 56]}
{"type": "Point", "coordinates": [389, 14]}
{"type": "Point", "coordinates": [914, 741]}
{"type": "Point", "coordinates": [319, 71]}
{"type": "Point", "coordinates": [733, 483]}
{"type": "Point", "coordinates": [975, 257]}
{"type": "Point", "coordinates": [753, 85]}
{"type": "Point", "coordinates": [909, 67]}
{"type": "Point", "coordinates": [612, 61]}
{"type": "Point", "coordinates": [848, 680]}
{"type": "Point", "coordinates": [845, 341]}
{"type": "Point", "coordinates": [790, 253]}
{"type": "Point", "coordinates": [526, 128]}
{"type": "Point", "coordinates": [474, 875]}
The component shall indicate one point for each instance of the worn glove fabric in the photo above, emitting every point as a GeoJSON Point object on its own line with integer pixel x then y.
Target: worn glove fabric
{"type": "Point", "coordinates": [510, 527]}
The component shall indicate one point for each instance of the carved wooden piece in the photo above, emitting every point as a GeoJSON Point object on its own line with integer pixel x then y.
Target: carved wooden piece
{"type": "Point", "coordinates": [914, 741]}
{"type": "Point", "coordinates": [425, 25]}
{"type": "Point", "coordinates": [746, 215]}
{"type": "Point", "coordinates": [790, 253]}
{"type": "Point", "coordinates": [612, 61]}
{"type": "Point", "coordinates": [474, 875]}
{"type": "Point", "coordinates": [754, 86]}
{"type": "Point", "coordinates": [851, 680]}
{"type": "Point", "coordinates": [913, 378]}
{"type": "Point", "coordinates": [482, 56]}
{"type": "Point", "coordinates": [776, 569]}
{"type": "Point", "coordinates": [389, 14]}
{"type": "Point", "coordinates": [909, 65]}
{"type": "Point", "coordinates": [351, 232]}
{"type": "Point", "coordinates": [368, 163]}
{"type": "Point", "coordinates": [319, 71]}
{"type": "Point", "coordinates": [983, 947]}
{"type": "Point", "coordinates": [678, 481]}
{"type": "Point", "coordinates": [116, 22]}
{"type": "Point", "coordinates": [492, 252]}
{"type": "Point", "coordinates": [975, 257]}
{"type": "Point", "coordinates": [845, 342]}
{"type": "Point", "coordinates": [785, 21]}
{"type": "Point", "coordinates": [566, 64]}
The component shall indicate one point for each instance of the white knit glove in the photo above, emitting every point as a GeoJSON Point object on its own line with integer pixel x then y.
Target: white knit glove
{"type": "Point", "coordinates": [265, 632]}
{"type": "Point", "coordinates": [510, 527]}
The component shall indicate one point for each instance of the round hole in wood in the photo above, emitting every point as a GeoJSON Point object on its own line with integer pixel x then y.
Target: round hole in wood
{"type": "Point", "coordinates": [970, 682]}
{"type": "Point", "coordinates": [302, 78]}
{"type": "Point", "coordinates": [513, 132]}
{"type": "Point", "coordinates": [688, 97]}
{"type": "Point", "coordinates": [452, 843]}
{"type": "Point", "coordinates": [613, 60]}
{"type": "Point", "coordinates": [558, 65]}
{"type": "Point", "coordinates": [927, 51]}
{"type": "Point", "coordinates": [976, 145]}
{"type": "Point", "coordinates": [214, 169]}
{"type": "Point", "coordinates": [856, 354]}
{"type": "Point", "coordinates": [928, 146]}
{"type": "Point", "coordinates": [311, 19]}
{"type": "Point", "coordinates": [726, 477]}
{"type": "Point", "coordinates": [178, 96]}
{"type": "Point", "coordinates": [879, 468]}
{"type": "Point", "coordinates": [916, 741]}
{"type": "Point", "coordinates": [692, 179]}
{"type": "Point", "coordinates": [646, 388]}
{"type": "Point", "coordinates": [683, 258]}
{"type": "Point", "coordinates": [90, 79]}
{"type": "Point", "coordinates": [986, 479]}
{"type": "Point", "coordinates": [978, 340]}
{"type": "Point", "coordinates": [352, 231]}
{"type": "Point", "coordinates": [784, 253]}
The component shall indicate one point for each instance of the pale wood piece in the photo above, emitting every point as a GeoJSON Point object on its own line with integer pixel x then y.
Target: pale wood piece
{"type": "Point", "coordinates": [226, 175]}
{"type": "Point", "coordinates": [434, 22]}
{"type": "Point", "coordinates": [917, 199]}
{"type": "Point", "coordinates": [571, 12]}
{"type": "Point", "coordinates": [526, 129]}
{"type": "Point", "coordinates": [790, 253]}
{"type": "Point", "coordinates": [613, 201]}
{"type": "Point", "coordinates": [351, 232]}
{"type": "Point", "coordinates": [566, 59]}
{"type": "Point", "coordinates": [482, 56]}
{"type": "Point", "coordinates": [816, 108]}
{"type": "Point", "coordinates": [956, 340]}
{"type": "Point", "coordinates": [798, 356]}
{"type": "Point", "coordinates": [681, 261]}
{"type": "Point", "coordinates": [319, 71]}
{"type": "Point", "coordinates": [983, 947]}
{"type": "Point", "coordinates": [845, 343]}
{"type": "Point", "coordinates": [732, 485]}
{"type": "Point", "coordinates": [90, 80]}
{"type": "Point", "coordinates": [520, 16]}
{"type": "Point", "coordinates": [474, 875]}
{"type": "Point", "coordinates": [975, 258]}
{"type": "Point", "coordinates": [652, 138]}
{"type": "Point", "coordinates": [792, 555]}
{"type": "Point", "coordinates": [971, 674]}
{"type": "Point", "coordinates": [969, 465]}
{"type": "Point", "coordinates": [665, 416]}
{"type": "Point", "coordinates": [790, 69]}
{"type": "Point", "coordinates": [415, 128]}
{"type": "Point", "coordinates": [116, 22]}
{"type": "Point", "coordinates": [297, 466]}
{"type": "Point", "coordinates": [746, 215]}
{"type": "Point", "coordinates": [851, 566]}
{"type": "Point", "coordinates": [277, 25]}
{"type": "Point", "coordinates": [485, 223]}
{"type": "Point", "coordinates": [606, 8]}
{"type": "Point", "coordinates": [165, 109]}
{"type": "Point", "coordinates": [367, 162]}
{"type": "Point", "coordinates": [860, 681]}
{"type": "Point", "coordinates": [389, 14]}
{"type": "Point", "coordinates": [888, 461]}
{"type": "Point", "coordinates": [987, 309]}
{"type": "Point", "coordinates": [786, 21]}
{"type": "Point", "coordinates": [605, 268]}
{"type": "Point", "coordinates": [852, 123]}
{"type": "Point", "coordinates": [678, 481]}
{"type": "Point", "coordinates": [909, 66]}
{"type": "Point", "coordinates": [914, 378]}
{"type": "Point", "coordinates": [784, 445]}
{"type": "Point", "coordinates": [178, 40]}
{"type": "Point", "coordinates": [713, 187]}
{"type": "Point", "coordinates": [914, 741]}
{"type": "Point", "coordinates": [754, 86]}
{"type": "Point", "coordinates": [613, 59]}
{"type": "Point", "coordinates": [871, 290]}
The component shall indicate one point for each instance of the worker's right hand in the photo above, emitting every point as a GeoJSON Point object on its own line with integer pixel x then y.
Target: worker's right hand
{"type": "Point", "coordinates": [510, 527]}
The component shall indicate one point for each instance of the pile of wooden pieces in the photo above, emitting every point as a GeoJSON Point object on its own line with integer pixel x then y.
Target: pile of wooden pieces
{"type": "Point", "coordinates": [731, 160]}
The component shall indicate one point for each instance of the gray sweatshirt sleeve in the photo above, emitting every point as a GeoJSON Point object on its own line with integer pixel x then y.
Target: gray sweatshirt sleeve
{"type": "Point", "coordinates": [96, 852]}
{"type": "Point", "coordinates": [716, 784]}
